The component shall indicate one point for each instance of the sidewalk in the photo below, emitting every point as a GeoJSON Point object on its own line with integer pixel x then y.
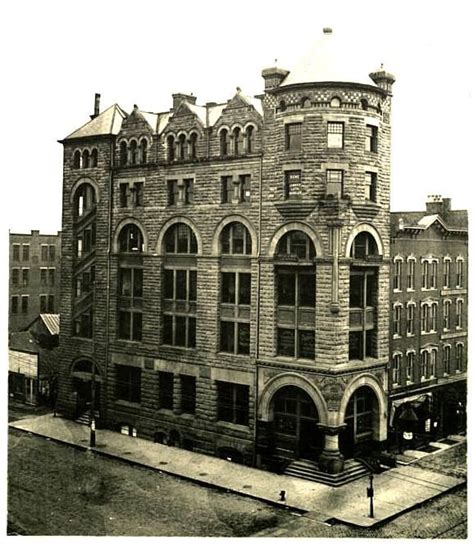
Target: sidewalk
{"type": "Point", "coordinates": [396, 490]}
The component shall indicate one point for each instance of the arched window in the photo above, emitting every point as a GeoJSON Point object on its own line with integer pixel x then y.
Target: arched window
{"type": "Point", "coordinates": [133, 152]}
{"type": "Point", "coordinates": [237, 140]}
{"type": "Point", "coordinates": [94, 158]}
{"type": "Point", "coordinates": [85, 159]}
{"type": "Point", "coordinates": [224, 140]}
{"type": "Point", "coordinates": [130, 239]}
{"type": "Point", "coordinates": [249, 138]}
{"type": "Point", "coordinates": [305, 102]}
{"type": "Point", "coordinates": [179, 238]}
{"type": "Point", "coordinates": [84, 199]}
{"type": "Point", "coordinates": [170, 147]}
{"type": "Point", "coordinates": [296, 244]}
{"type": "Point", "coordinates": [282, 105]}
{"type": "Point", "coordinates": [364, 104]}
{"type": "Point", "coordinates": [364, 246]}
{"type": "Point", "coordinates": [335, 102]}
{"type": "Point", "coordinates": [143, 151]}
{"type": "Point", "coordinates": [182, 147]}
{"type": "Point", "coordinates": [123, 153]}
{"type": "Point", "coordinates": [192, 145]}
{"type": "Point", "coordinates": [77, 159]}
{"type": "Point", "coordinates": [236, 240]}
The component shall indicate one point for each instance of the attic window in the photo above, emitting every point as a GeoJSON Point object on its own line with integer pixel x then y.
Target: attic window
{"type": "Point", "coordinates": [94, 158]}
{"type": "Point", "coordinates": [77, 159]}
{"type": "Point", "coordinates": [249, 139]}
{"type": "Point", "coordinates": [133, 152]}
{"type": "Point", "coordinates": [182, 147]}
{"type": "Point", "coordinates": [192, 145]}
{"type": "Point", "coordinates": [123, 153]}
{"type": "Point", "coordinates": [335, 102]}
{"type": "Point", "coordinates": [237, 137]}
{"type": "Point", "coordinates": [170, 147]}
{"type": "Point", "coordinates": [224, 142]}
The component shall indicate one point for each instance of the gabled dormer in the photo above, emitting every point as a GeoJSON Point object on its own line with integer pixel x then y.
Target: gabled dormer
{"type": "Point", "coordinates": [135, 138]}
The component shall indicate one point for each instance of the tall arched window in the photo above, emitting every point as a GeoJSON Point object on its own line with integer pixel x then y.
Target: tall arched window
{"type": "Point", "coordinates": [84, 200]}
{"type": "Point", "coordinates": [85, 159]}
{"type": "Point", "coordinates": [237, 139]}
{"type": "Point", "coordinates": [143, 151]}
{"type": "Point", "coordinates": [249, 138]}
{"type": "Point", "coordinates": [133, 152]}
{"type": "Point", "coordinates": [130, 239]}
{"type": "Point", "coordinates": [182, 147]}
{"type": "Point", "coordinates": [170, 147]}
{"type": "Point", "coordinates": [77, 159]}
{"type": "Point", "coordinates": [192, 145]}
{"type": "Point", "coordinates": [364, 246]}
{"type": "Point", "coordinates": [236, 240]}
{"type": "Point", "coordinates": [179, 238]}
{"type": "Point", "coordinates": [123, 153]}
{"type": "Point", "coordinates": [224, 142]}
{"type": "Point", "coordinates": [94, 158]}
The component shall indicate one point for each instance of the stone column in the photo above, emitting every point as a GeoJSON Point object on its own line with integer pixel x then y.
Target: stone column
{"type": "Point", "coordinates": [331, 459]}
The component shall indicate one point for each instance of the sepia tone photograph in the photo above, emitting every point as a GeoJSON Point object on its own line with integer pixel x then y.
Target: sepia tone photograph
{"type": "Point", "coordinates": [238, 269]}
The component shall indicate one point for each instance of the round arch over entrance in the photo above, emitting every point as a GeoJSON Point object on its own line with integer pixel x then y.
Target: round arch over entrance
{"type": "Point", "coordinates": [82, 373]}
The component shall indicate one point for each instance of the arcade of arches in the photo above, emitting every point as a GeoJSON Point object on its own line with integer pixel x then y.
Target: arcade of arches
{"type": "Point", "coordinates": [291, 428]}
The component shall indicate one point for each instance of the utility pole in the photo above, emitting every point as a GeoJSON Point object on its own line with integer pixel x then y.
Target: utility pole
{"type": "Point", "coordinates": [92, 414]}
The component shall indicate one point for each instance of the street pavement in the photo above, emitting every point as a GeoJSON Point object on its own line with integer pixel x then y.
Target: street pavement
{"type": "Point", "coordinates": [396, 490]}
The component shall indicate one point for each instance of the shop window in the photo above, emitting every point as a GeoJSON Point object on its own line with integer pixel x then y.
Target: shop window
{"type": "Point", "coordinates": [128, 383]}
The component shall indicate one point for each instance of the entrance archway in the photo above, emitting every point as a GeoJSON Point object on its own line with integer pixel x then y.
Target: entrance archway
{"type": "Point", "coordinates": [295, 418]}
{"type": "Point", "coordinates": [361, 419]}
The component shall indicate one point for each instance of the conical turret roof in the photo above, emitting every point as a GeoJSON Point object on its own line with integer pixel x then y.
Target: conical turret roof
{"type": "Point", "coordinates": [329, 60]}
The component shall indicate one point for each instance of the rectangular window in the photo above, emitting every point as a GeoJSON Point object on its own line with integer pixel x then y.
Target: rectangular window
{"type": "Point", "coordinates": [244, 188]}
{"type": "Point", "coordinates": [172, 192]}
{"type": "Point", "coordinates": [410, 319]}
{"type": "Point", "coordinates": [83, 324]}
{"type": "Point", "coordinates": [433, 363]}
{"type": "Point", "coordinates": [293, 136]}
{"type": "Point", "coordinates": [459, 309]}
{"type": "Point", "coordinates": [424, 318]}
{"type": "Point", "coordinates": [397, 275]}
{"type": "Point", "coordinates": [425, 364]}
{"type": "Point", "coordinates": [446, 359]}
{"type": "Point", "coordinates": [51, 276]}
{"type": "Point", "coordinates": [130, 325]}
{"type": "Point", "coordinates": [16, 252]}
{"type": "Point", "coordinates": [179, 330]}
{"type": "Point", "coordinates": [370, 187]}
{"type": "Point", "coordinates": [165, 390]}
{"type": "Point", "coordinates": [446, 273]}
{"type": "Point", "coordinates": [24, 304]}
{"type": "Point", "coordinates": [434, 275]}
{"type": "Point", "coordinates": [188, 191]}
{"type": "Point", "coordinates": [44, 252]}
{"type": "Point", "coordinates": [15, 276]}
{"type": "Point", "coordinates": [233, 403]}
{"type": "Point", "coordinates": [25, 276]}
{"type": "Point", "coordinates": [52, 253]}
{"type": "Point", "coordinates": [138, 193]}
{"type": "Point", "coordinates": [44, 276]}
{"type": "Point", "coordinates": [124, 195]}
{"type": "Point", "coordinates": [292, 187]}
{"type": "Point", "coordinates": [128, 383]}
{"type": "Point", "coordinates": [14, 304]}
{"type": "Point", "coordinates": [396, 363]}
{"type": "Point", "coordinates": [434, 317]}
{"type": "Point", "coordinates": [371, 133]}
{"type": "Point", "coordinates": [51, 304]}
{"type": "Point", "coordinates": [235, 337]}
{"type": "Point", "coordinates": [235, 329]}
{"type": "Point", "coordinates": [410, 365]}
{"type": "Point", "coordinates": [226, 189]}
{"type": "Point", "coordinates": [188, 394]}
{"type": "Point", "coordinates": [43, 303]}
{"type": "Point", "coordinates": [425, 280]}
{"type": "Point", "coordinates": [334, 182]}
{"type": "Point", "coordinates": [335, 134]}
{"type": "Point", "coordinates": [459, 273]}
{"type": "Point", "coordinates": [26, 252]}
{"type": "Point", "coordinates": [410, 274]}
{"type": "Point", "coordinates": [447, 315]}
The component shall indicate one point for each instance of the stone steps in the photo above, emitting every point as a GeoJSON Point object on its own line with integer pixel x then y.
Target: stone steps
{"type": "Point", "coordinates": [308, 470]}
{"type": "Point", "coordinates": [84, 418]}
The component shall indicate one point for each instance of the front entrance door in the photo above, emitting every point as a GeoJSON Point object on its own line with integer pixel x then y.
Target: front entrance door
{"type": "Point", "coordinates": [360, 421]}
{"type": "Point", "coordinates": [84, 395]}
{"type": "Point", "coordinates": [295, 416]}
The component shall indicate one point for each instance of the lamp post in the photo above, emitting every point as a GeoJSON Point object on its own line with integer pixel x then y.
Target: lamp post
{"type": "Point", "coordinates": [370, 495]}
{"type": "Point", "coordinates": [92, 414]}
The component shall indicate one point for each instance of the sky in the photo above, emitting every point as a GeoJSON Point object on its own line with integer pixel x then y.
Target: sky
{"type": "Point", "coordinates": [58, 54]}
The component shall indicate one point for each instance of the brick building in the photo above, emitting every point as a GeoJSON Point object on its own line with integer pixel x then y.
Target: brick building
{"type": "Point", "coordinates": [225, 276]}
{"type": "Point", "coordinates": [34, 281]}
{"type": "Point", "coordinates": [429, 252]}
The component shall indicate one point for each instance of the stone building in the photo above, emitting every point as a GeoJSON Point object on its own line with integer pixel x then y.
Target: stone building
{"type": "Point", "coordinates": [225, 276]}
{"type": "Point", "coordinates": [429, 251]}
{"type": "Point", "coordinates": [34, 279]}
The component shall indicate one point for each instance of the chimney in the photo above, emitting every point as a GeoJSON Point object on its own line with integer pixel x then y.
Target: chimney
{"type": "Point", "coordinates": [180, 97]}
{"type": "Point", "coordinates": [273, 77]}
{"type": "Point", "coordinates": [383, 79]}
{"type": "Point", "coordinates": [96, 106]}
{"type": "Point", "coordinates": [446, 207]}
{"type": "Point", "coordinates": [434, 205]}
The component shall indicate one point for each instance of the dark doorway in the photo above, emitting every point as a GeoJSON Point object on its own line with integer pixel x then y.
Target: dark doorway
{"type": "Point", "coordinates": [84, 396]}
{"type": "Point", "coordinates": [360, 420]}
{"type": "Point", "coordinates": [295, 419]}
